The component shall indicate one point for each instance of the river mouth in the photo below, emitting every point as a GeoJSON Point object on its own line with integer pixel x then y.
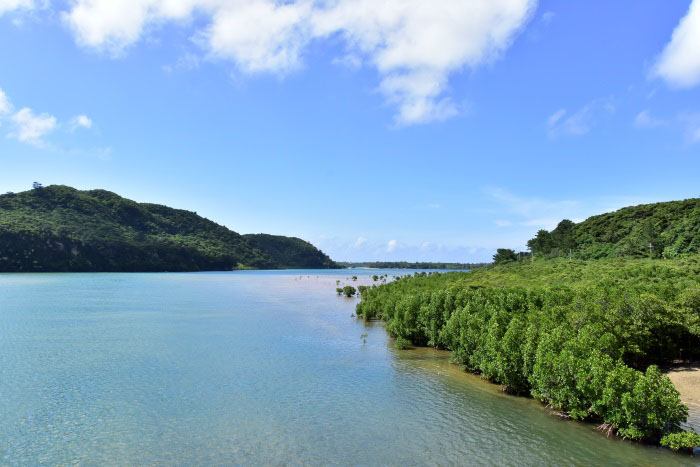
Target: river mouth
{"type": "Point", "coordinates": [251, 367]}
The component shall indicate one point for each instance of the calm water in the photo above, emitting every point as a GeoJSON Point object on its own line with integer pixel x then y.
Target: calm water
{"type": "Point", "coordinates": [249, 367]}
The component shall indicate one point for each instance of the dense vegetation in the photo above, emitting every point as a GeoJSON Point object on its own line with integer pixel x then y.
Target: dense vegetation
{"type": "Point", "coordinates": [58, 228]}
{"type": "Point", "coordinates": [292, 252]}
{"type": "Point", "coordinates": [660, 230]}
{"type": "Point", "coordinates": [410, 265]}
{"type": "Point", "coordinates": [584, 337]}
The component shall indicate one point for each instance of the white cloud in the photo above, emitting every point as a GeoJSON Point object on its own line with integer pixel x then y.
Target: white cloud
{"type": "Point", "coordinates": [359, 242]}
{"type": "Point", "coordinates": [260, 35]}
{"type": "Point", "coordinates": [580, 122]}
{"type": "Point", "coordinates": [415, 45]}
{"type": "Point", "coordinates": [391, 245]}
{"type": "Point", "coordinates": [644, 119]}
{"type": "Point", "coordinates": [31, 128]}
{"type": "Point", "coordinates": [81, 121]}
{"type": "Point", "coordinates": [28, 127]}
{"type": "Point", "coordinates": [5, 104]}
{"type": "Point", "coordinates": [679, 63]}
{"type": "Point", "coordinates": [11, 5]}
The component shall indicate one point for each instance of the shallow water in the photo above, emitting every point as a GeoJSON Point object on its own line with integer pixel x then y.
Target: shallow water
{"type": "Point", "coordinates": [250, 367]}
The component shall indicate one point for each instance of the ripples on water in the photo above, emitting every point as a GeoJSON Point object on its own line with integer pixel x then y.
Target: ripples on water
{"type": "Point", "coordinates": [249, 367]}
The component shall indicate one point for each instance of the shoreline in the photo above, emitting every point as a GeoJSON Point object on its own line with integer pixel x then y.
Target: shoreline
{"type": "Point", "coordinates": [686, 378]}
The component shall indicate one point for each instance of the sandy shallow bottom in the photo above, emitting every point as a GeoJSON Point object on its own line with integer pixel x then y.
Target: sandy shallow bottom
{"type": "Point", "coordinates": [687, 380]}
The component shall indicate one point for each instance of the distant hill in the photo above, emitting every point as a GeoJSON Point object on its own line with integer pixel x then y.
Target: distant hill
{"type": "Point", "coordinates": [668, 229]}
{"type": "Point", "coordinates": [59, 228]}
{"type": "Point", "coordinates": [292, 252]}
{"type": "Point", "coordinates": [410, 265]}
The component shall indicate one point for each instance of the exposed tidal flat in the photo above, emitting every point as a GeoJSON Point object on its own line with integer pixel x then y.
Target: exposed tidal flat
{"type": "Point", "coordinates": [261, 367]}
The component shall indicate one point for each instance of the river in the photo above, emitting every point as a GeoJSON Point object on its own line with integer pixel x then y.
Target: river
{"type": "Point", "coordinates": [251, 367]}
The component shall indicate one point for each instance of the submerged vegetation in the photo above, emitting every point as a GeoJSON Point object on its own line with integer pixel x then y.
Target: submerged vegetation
{"type": "Point", "coordinates": [59, 228]}
{"type": "Point", "coordinates": [584, 337]}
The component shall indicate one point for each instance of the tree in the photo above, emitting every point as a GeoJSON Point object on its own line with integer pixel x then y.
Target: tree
{"type": "Point", "coordinates": [504, 255]}
{"type": "Point", "coordinates": [563, 236]}
{"type": "Point", "coordinates": [349, 291]}
{"type": "Point", "coordinates": [37, 186]}
{"type": "Point", "coordinates": [541, 244]}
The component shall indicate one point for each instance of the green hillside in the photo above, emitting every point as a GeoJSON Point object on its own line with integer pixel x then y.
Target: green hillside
{"type": "Point", "coordinates": [656, 230]}
{"type": "Point", "coordinates": [292, 252]}
{"type": "Point", "coordinates": [59, 228]}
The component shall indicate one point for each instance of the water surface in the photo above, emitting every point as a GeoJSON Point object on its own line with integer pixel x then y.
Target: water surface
{"type": "Point", "coordinates": [250, 367]}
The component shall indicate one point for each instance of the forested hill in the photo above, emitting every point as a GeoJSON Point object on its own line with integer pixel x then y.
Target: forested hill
{"type": "Point", "coordinates": [668, 230]}
{"type": "Point", "coordinates": [59, 228]}
{"type": "Point", "coordinates": [292, 252]}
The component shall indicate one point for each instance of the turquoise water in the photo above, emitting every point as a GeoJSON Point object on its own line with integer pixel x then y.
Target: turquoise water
{"type": "Point", "coordinates": [250, 367]}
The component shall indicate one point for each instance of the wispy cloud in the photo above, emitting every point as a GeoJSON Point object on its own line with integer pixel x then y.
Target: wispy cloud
{"type": "Point", "coordinates": [391, 245]}
{"type": "Point", "coordinates": [5, 104]}
{"type": "Point", "coordinates": [529, 206]}
{"type": "Point", "coordinates": [644, 119]}
{"type": "Point", "coordinates": [186, 62]}
{"type": "Point", "coordinates": [580, 122]}
{"type": "Point", "coordinates": [502, 223]}
{"type": "Point", "coordinates": [686, 123]}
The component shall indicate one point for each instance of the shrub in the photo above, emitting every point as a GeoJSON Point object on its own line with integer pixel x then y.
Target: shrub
{"type": "Point", "coordinates": [400, 343]}
{"type": "Point", "coordinates": [681, 440]}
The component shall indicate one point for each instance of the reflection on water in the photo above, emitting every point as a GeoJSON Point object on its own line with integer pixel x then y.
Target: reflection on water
{"type": "Point", "coordinates": [250, 367]}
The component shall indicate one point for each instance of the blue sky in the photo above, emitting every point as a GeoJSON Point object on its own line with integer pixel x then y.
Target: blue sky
{"type": "Point", "coordinates": [406, 131]}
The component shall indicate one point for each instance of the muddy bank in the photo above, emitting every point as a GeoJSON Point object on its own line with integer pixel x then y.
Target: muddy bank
{"type": "Point", "coordinates": [686, 378]}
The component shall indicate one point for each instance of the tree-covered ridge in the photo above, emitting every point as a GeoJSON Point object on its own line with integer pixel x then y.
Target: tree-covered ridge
{"type": "Point", "coordinates": [292, 252]}
{"type": "Point", "coordinates": [667, 230]}
{"type": "Point", "coordinates": [582, 336]}
{"type": "Point", "coordinates": [59, 228]}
